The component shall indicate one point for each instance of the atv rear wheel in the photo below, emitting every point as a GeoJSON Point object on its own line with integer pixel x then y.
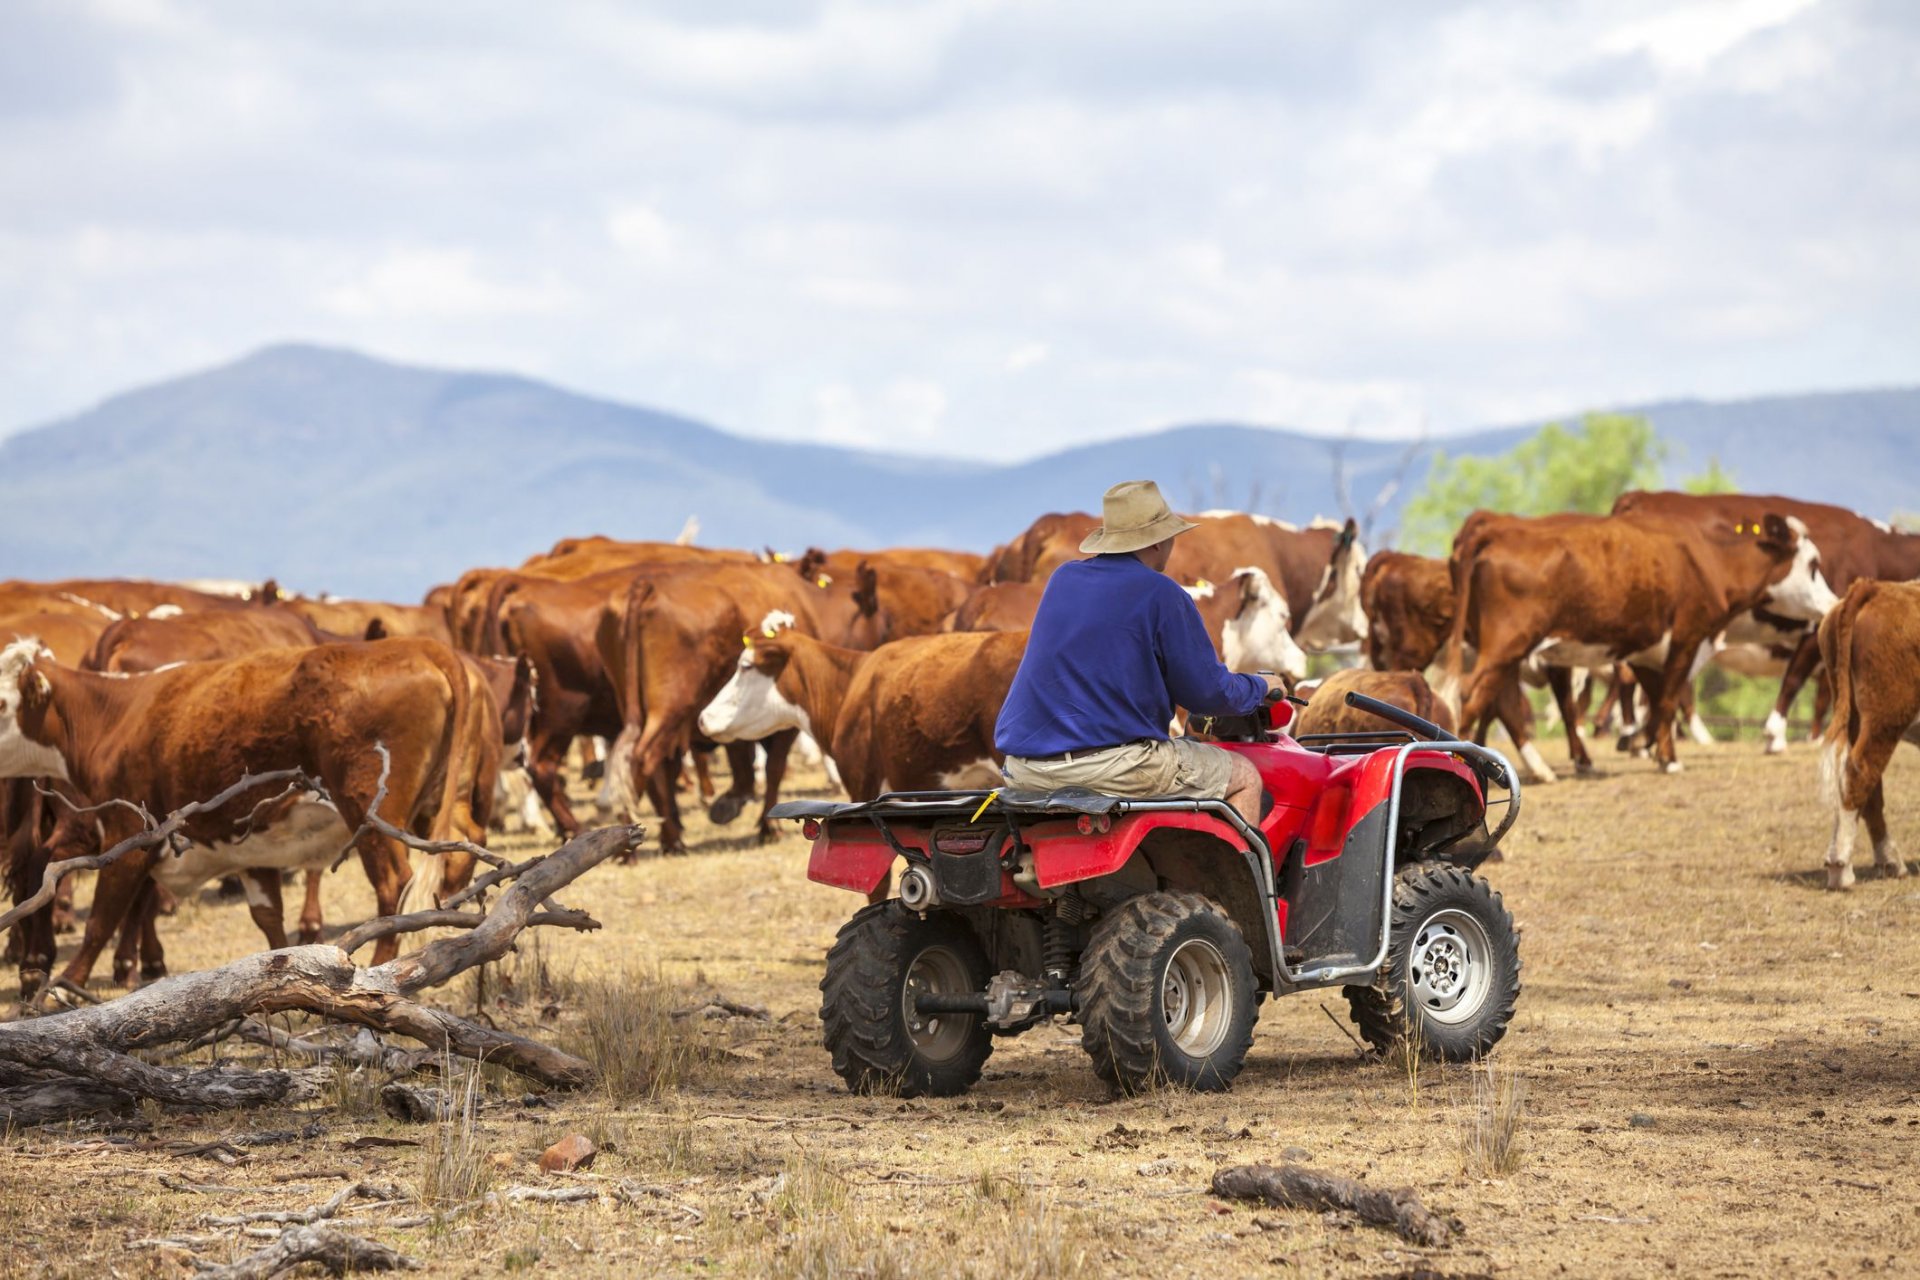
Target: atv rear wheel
{"type": "Point", "coordinates": [883, 959]}
{"type": "Point", "coordinates": [1452, 974]}
{"type": "Point", "coordinates": [1167, 995]}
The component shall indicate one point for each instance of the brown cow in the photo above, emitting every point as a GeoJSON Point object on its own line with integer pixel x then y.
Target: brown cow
{"type": "Point", "coordinates": [1869, 643]}
{"type": "Point", "coordinates": [1638, 589]}
{"type": "Point", "coordinates": [1762, 641]}
{"type": "Point", "coordinates": [180, 735]}
{"type": "Point", "coordinates": [669, 652]}
{"type": "Point", "coordinates": [914, 715]}
{"type": "Point", "coordinates": [1317, 570]}
{"type": "Point", "coordinates": [373, 619]}
{"type": "Point", "coordinates": [998, 606]}
{"type": "Point", "coordinates": [964, 565]}
{"type": "Point", "coordinates": [139, 644]}
{"type": "Point", "coordinates": [916, 600]}
{"type": "Point", "coordinates": [1327, 710]}
{"type": "Point", "coordinates": [1408, 601]}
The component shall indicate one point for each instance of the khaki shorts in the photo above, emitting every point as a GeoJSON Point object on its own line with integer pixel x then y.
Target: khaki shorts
{"type": "Point", "coordinates": [1174, 767]}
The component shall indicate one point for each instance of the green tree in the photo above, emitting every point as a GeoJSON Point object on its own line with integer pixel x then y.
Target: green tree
{"type": "Point", "coordinates": [1555, 469]}
{"type": "Point", "coordinates": [1715, 479]}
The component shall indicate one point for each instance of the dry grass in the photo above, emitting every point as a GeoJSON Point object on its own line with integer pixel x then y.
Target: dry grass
{"type": "Point", "coordinates": [1721, 1060]}
{"type": "Point", "coordinates": [454, 1167]}
{"type": "Point", "coordinates": [1490, 1141]}
{"type": "Point", "coordinates": [625, 1027]}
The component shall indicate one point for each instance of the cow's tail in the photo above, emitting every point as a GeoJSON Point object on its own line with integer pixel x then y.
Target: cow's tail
{"type": "Point", "coordinates": [454, 819]}
{"type": "Point", "coordinates": [1453, 655]}
{"type": "Point", "coordinates": [1835, 637]}
{"type": "Point", "coordinates": [631, 691]}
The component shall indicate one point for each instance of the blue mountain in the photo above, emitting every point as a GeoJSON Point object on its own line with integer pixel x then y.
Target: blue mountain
{"type": "Point", "coordinates": [334, 471]}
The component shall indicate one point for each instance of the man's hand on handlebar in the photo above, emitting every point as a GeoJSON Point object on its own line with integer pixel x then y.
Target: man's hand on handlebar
{"type": "Point", "coordinates": [1276, 687]}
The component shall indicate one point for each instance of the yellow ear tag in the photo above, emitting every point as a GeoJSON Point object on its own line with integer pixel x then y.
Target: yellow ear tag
{"type": "Point", "coordinates": [746, 639]}
{"type": "Point", "coordinates": [769, 631]}
{"type": "Point", "coordinates": [823, 581]}
{"type": "Point", "coordinates": [779, 557]}
{"type": "Point", "coordinates": [1204, 585]}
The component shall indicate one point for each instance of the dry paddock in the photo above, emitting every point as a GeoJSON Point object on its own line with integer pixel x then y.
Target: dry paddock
{"type": "Point", "coordinates": [1720, 1063]}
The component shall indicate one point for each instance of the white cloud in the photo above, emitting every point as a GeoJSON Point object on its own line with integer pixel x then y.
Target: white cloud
{"type": "Point", "coordinates": [442, 282]}
{"type": "Point", "coordinates": [854, 219]}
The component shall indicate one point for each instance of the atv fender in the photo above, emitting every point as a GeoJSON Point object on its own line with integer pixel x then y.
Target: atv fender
{"type": "Point", "coordinates": [1061, 855]}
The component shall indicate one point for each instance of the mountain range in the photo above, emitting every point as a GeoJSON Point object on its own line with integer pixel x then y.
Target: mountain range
{"type": "Point", "coordinates": [331, 470]}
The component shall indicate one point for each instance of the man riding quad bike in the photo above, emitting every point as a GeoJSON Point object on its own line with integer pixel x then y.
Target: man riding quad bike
{"type": "Point", "coordinates": [1155, 889]}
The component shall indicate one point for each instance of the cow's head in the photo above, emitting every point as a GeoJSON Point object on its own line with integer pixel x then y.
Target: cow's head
{"type": "Point", "coordinates": [1336, 616]}
{"type": "Point", "coordinates": [751, 706]}
{"type": "Point", "coordinates": [1258, 637]}
{"type": "Point", "coordinates": [1797, 588]}
{"type": "Point", "coordinates": [25, 696]}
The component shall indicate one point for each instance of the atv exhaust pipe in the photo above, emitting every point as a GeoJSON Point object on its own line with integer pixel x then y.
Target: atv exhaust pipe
{"type": "Point", "coordinates": [916, 889]}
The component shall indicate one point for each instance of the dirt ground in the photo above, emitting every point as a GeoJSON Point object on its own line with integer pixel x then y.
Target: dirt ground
{"type": "Point", "coordinates": [1719, 1059]}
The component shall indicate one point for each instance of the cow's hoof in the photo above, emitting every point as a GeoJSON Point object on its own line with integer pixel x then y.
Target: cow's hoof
{"type": "Point", "coordinates": [123, 974]}
{"type": "Point", "coordinates": [1673, 766]}
{"type": "Point", "coordinates": [594, 771]}
{"type": "Point", "coordinates": [767, 834]}
{"type": "Point", "coordinates": [1584, 768]}
{"type": "Point", "coordinates": [152, 972]}
{"type": "Point", "coordinates": [309, 936]}
{"type": "Point", "coordinates": [31, 981]}
{"type": "Point", "coordinates": [726, 808]}
{"type": "Point", "coordinates": [1840, 877]}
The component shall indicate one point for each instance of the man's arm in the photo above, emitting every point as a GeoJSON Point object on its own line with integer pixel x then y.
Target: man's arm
{"type": "Point", "coordinates": [1196, 678]}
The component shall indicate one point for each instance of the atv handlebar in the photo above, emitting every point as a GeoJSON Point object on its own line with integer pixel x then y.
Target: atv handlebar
{"type": "Point", "coordinates": [1394, 715]}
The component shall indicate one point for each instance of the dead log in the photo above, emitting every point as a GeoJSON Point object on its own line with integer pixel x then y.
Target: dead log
{"type": "Point", "coordinates": [1293, 1186]}
{"type": "Point", "coordinates": [94, 1046]}
{"type": "Point", "coordinates": [337, 1251]}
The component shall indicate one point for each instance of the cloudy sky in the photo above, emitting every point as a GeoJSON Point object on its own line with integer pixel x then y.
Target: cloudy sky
{"type": "Point", "coordinates": [973, 226]}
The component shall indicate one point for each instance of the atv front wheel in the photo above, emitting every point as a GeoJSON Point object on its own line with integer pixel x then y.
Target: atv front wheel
{"type": "Point", "coordinates": [1167, 995]}
{"type": "Point", "coordinates": [884, 958]}
{"type": "Point", "coordinates": [1452, 974]}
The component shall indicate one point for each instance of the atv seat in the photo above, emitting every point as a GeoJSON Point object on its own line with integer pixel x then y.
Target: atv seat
{"type": "Point", "coordinates": [940, 804]}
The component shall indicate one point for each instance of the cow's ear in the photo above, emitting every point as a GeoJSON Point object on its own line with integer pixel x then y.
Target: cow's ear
{"type": "Point", "coordinates": [770, 657]}
{"type": "Point", "coordinates": [1348, 532]}
{"type": "Point", "coordinates": [35, 690]}
{"type": "Point", "coordinates": [1776, 535]}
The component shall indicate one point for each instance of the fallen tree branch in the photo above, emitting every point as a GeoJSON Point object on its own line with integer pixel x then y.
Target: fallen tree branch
{"type": "Point", "coordinates": [1293, 1186]}
{"type": "Point", "coordinates": [86, 1054]}
{"type": "Point", "coordinates": [335, 1250]}
{"type": "Point", "coordinates": [387, 926]}
{"type": "Point", "coordinates": [159, 833]}
{"type": "Point", "coordinates": [381, 1193]}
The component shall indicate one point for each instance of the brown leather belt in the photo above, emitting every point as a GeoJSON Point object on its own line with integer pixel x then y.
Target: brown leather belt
{"type": "Point", "coordinates": [1084, 752]}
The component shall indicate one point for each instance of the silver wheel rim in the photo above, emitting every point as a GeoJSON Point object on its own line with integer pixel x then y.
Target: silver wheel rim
{"type": "Point", "coordinates": [1196, 995]}
{"type": "Point", "coordinates": [1450, 967]}
{"type": "Point", "coordinates": [936, 971]}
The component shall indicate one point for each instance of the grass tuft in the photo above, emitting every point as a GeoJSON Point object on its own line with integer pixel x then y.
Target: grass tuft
{"type": "Point", "coordinates": [625, 1027]}
{"type": "Point", "coordinates": [1490, 1133]}
{"type": "Point", "coordinates": [454, 1169]}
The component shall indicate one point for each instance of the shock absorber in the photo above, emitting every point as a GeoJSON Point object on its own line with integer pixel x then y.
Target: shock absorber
{"type": "Point", "coordinates": [1062, 927]}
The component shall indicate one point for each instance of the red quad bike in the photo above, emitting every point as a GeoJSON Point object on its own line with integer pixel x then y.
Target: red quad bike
{"type": "Point", "coordinates": [1159, 925]}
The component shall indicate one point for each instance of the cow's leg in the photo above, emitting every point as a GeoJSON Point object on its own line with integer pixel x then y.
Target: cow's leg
{"type": "Point", "coordinates": [62, 916]}
{"type": "Point", "coordinates": [703, 772]}
{"type": "Point", "coordinates": [1496, 693]}
{"type": "Point", "coordinates": [1560, 680]}
{"type": "Point", "coordinates": [1663, 688]}
{"type": "Point", "coordinates": [311, 915]}
{"type": "Point", "coordinates": [1886, 854]}
{"type": "Point", "coordinates": [1635, 733]}
{"type": "Point", "coordinates": [264, 903]}
{"type": "Point", "coordinates": [126, 946]}
{"type": "Point", "coordinates": [1805, 661]}
{"type": "Point", "coordinates": [778, 747]}
{"type": "Point", "coordinates": [153, 957]}
{"type": "Point", "coordinates": [740, 756]}
{"type": "Point", "coordinates": [1609, 708]}
{"type": "Point", "coordinates": [549, 785]}
{"type": "Point", "coordinates": [114, 894]}
{"type": "Point", "coordinates": [661, 790]}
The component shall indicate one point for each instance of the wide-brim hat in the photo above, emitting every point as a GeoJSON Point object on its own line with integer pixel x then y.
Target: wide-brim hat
{"type": "Point", "coordinates": [1133, 516]}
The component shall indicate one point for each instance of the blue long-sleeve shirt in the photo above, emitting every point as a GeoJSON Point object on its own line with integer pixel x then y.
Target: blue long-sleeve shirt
{"type": "Point", "coordinates": [1115, 647]}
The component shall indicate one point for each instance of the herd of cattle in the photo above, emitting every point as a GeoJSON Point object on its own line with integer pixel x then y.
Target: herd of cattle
{"type": "Point", "coordinates": [123, 699]}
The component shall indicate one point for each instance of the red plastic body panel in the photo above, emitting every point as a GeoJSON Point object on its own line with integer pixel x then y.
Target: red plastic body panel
{"type": "Point", "coordinates": [854, 855]}
{"type": "Point", "coordinates": [1061, 855]}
